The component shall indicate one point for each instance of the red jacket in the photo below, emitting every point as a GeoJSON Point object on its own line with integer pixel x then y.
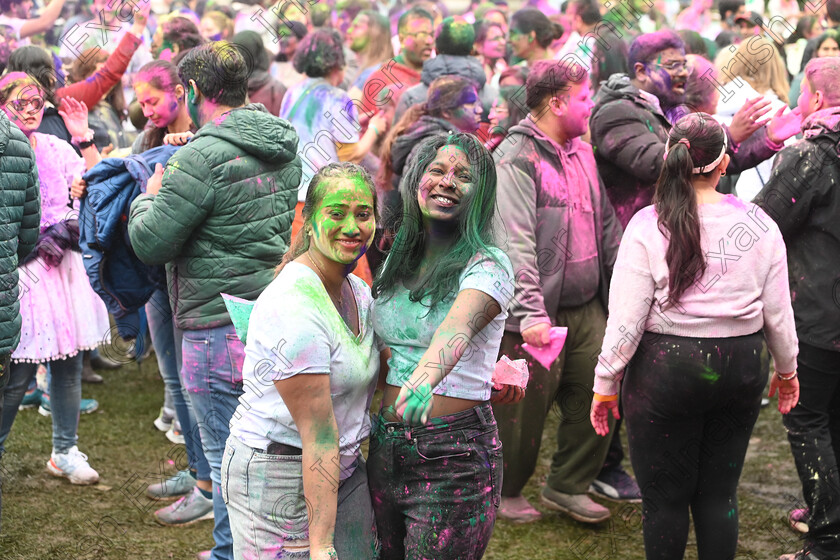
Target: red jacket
{"type": "Point", "coordinates": [92, 90]}
{"type": "Point", "coordinates": [383, 89]}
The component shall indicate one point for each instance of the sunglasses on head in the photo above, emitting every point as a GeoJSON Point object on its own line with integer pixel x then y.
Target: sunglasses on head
{"type": "Point", "coordinates": [20, 105]}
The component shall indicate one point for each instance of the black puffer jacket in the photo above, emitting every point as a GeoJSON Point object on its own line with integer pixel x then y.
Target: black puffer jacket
{"type": "Point", "coordinates": [803, 197]}
{"type": "Point", "coordinates": [629, 135]}
{"type": "Point", "coordinates": [20, 206]}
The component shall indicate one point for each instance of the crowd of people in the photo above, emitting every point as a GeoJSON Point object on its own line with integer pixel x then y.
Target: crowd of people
{"type": "Point", "coordinates": [398, 197]}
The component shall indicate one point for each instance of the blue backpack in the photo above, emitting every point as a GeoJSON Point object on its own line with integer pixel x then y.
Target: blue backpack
{"type": "Point", "coordinates": [123, 282]}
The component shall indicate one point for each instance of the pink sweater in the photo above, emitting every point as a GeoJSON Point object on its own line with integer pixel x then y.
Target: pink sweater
{"type": "Point", "coordinates": [744, 289]}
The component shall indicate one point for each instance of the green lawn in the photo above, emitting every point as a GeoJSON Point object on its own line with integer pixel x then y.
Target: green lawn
{"type": "Point", "coordinates": [47, 518]}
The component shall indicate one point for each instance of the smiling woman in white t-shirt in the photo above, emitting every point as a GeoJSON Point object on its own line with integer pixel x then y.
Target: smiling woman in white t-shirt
{"type": "Point", "coordinates": [293, 476]}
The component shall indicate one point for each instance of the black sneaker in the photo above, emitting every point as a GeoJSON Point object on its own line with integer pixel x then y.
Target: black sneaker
{"type": "Point", "coordinates": [617, 486]}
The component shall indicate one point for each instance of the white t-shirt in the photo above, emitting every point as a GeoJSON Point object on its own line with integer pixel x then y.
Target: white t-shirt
{"type": "Point", "coordinates": [296, 330]}
{"type": "Point", "coordinates": [407, 327]}
{"type": "Point", "coordinates": [324, 118]}
{"type": "Point", "coordinates": [16, 24]}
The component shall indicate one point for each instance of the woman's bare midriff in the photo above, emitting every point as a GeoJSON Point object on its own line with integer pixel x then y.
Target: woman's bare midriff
{"type": "Point", "coordinates": [443, 406]}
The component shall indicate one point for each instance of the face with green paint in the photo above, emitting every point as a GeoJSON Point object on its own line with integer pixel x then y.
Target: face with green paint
{"type": "Point", "coordinates": [192, 104]}
{"type": "Point", "coordinates": [357, 35]}
{"type": "Point", "coordinates": [343, 223]}
{"type": "Point", "coordinates": [445, 185]}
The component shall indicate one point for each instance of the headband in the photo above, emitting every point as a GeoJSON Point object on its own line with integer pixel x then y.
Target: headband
{"type": "Point", "coordinates": [705, 168]}
{"type": "Point", "coordinates": [15, 77]}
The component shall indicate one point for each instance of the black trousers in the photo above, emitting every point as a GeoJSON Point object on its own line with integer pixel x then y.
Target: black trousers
{"type": "Point", "coordinates": [814, 434]}
{"type": "Point", "coordinates": [690, 406]}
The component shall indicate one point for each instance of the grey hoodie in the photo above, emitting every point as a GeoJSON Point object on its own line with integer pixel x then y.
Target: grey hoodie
{"type": "Point", "coordinates": [536, 183]}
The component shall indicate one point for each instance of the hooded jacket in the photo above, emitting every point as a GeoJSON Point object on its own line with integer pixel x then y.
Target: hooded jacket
{"type": "Point", "coordinates": [446, 65]}
{"type": "Point", "coordinates": [20, 200]}
{"type": "Point", "coordinates": [263, 88]}
{"type": "Point", "coordinates": [223, 217]}
{"type": "Point", "coordinates": [803, 197]}
{"type": "Point", "coordinates": [630, 133]}
{"type": "Point", "coordinates": [535, 176]}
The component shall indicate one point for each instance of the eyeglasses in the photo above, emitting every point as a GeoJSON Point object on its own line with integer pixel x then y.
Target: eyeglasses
{"type": "Point", "coordinates": [674, 66]}
{"type": "Point", "coordinates": [20, 105]}
{"type": "Point", "coordinates": [420, 35]}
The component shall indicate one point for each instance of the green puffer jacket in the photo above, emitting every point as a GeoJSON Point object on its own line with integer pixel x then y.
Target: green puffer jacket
{"type": "Point", "coordinates": [223, 217]}
{"type": "Point", "coordinates": [20, 216]}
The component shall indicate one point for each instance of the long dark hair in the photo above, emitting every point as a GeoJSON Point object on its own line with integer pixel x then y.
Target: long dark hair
{"type": "Point", "coordinates": [314, 196]}
{"type": "Point", "coordinates": [475, 223]}
{"type": "Point", "coordinates": [532, 19]}
{"type": "Point", "coordinates": [161, 75]}
{"type": "Point", "coordinates": [695, 142]}
{"type": "Point", "coordinates": [38, 63]}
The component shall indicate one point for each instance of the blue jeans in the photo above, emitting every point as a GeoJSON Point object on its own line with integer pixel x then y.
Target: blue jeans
{"type": "Point", "coordinates": [212, 376]}
{"type": "Point", "coordinates": [168, 351]}
{"type": "Point", "coordinates": [435, 488]}
{"type": "Point", "coordinates": [268, 512]}
{"type": "Point", "coordinates": [65, 398]}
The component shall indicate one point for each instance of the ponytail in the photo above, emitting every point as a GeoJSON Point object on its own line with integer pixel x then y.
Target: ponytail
{"type": "Point", "coordinates": [676, 209]}
{"type": "Point", "coordinates": [696, 146]}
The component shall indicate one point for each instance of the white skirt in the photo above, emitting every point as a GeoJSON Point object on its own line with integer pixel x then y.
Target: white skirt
{"type": "Point", "coordinates": [61, 314]}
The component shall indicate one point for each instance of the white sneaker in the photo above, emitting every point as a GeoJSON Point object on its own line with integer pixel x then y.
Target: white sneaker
{"type": "Point", "coordinates": [164, 420]}
{"type": "Point", "coordinates": [72, 465]}
{"type": "Point", "coordinates": [174, 433]}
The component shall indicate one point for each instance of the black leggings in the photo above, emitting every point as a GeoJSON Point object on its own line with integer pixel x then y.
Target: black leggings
{"type": "Point", "coordinates": [690, 405]}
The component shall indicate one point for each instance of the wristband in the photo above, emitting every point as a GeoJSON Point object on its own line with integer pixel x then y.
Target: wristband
{"type": "Point", "coordinates": [375, 130]}
{"type": "Point", "coordinates": [605, 398]}
{"type": "Point", "coordinates": [787, 376]}
{"type": "Point", "coordinates": [80, 140]}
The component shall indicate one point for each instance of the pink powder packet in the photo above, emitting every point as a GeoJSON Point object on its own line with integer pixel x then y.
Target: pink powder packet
{"type": "Point", "coordinates": [510, 372]}
{"type": "Point", "coordinates": [548, 353]}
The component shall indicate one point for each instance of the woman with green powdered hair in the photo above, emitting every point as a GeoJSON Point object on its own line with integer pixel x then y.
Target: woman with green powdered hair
{"type": "Point", "coordinates": [293, 476]}
{"type": "Point", "coordinates": [441, 300]}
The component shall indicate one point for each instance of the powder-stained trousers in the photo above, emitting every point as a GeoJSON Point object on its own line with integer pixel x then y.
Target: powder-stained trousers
{"type": "Point", "coordinates": [580, 451]}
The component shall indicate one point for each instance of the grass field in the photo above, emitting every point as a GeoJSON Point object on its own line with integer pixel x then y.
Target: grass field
{"type": "Point", "coordinates": [46, 518]}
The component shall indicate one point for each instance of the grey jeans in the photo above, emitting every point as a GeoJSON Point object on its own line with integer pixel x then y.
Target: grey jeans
{"type": "Point", "coordinates": [268, 512]}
